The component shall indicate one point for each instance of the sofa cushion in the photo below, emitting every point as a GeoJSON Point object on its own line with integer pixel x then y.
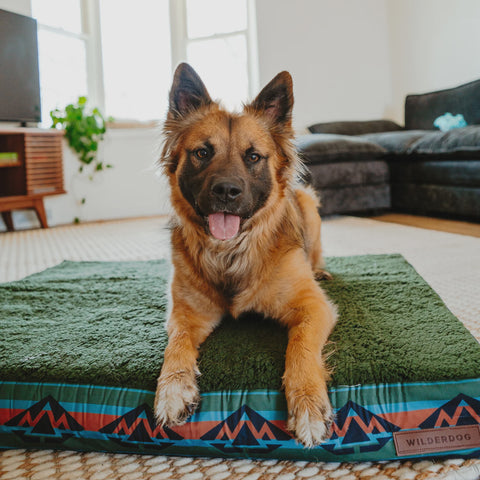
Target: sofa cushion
{"type": "Point", "coordinates": [348, 174]}
{"type": "Point", "coordinates": [355, 128]}
{"type": "Point", "coordinates": [358, 198]}
{"type": "Point", "coordinates": [396, 143]}
{"type": "Point", "coordinates": [464, 173]}
{"type": "Point", "coordinates": [457, 143]}
{"type": "Point", "coordinates": [329, 148]}
{"type": "Point", "coordinates": [422, 110]}
{"type": "Point", "coordinates": [438, 199]}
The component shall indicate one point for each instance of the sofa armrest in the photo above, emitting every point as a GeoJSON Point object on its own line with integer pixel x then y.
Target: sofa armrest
{"type": "Point", "coordinates": [422, 110]}
{"type": "Point", "coordinates": [355, 127]}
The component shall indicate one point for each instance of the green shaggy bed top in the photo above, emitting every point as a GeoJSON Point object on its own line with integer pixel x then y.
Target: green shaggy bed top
{"type": "Point", "coordinates": [102, 323]}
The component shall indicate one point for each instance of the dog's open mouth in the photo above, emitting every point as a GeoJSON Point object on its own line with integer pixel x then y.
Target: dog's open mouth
{"type": "Point", "coordinates": [223, 226]}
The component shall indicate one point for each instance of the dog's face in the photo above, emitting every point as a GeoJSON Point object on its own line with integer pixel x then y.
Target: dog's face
{"type": "Point", "coordinates": [225, 167]}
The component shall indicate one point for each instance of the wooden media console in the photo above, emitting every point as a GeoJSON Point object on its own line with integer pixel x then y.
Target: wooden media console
{"type": "Point", "coordinates": [37, 171]}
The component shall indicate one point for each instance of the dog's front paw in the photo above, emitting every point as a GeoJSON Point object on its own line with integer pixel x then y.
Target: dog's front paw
{"type": "Point", "coordinates": [176, 398]}
{"type": "Point", "coordinates": [310, 419]}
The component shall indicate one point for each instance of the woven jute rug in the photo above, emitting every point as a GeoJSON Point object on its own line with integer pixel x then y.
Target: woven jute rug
{"type": "Point", "coordinates": [450, 263]}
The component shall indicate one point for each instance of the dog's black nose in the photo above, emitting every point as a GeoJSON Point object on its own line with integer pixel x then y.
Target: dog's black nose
{"type": "Point", "coordinates": [226, 191]}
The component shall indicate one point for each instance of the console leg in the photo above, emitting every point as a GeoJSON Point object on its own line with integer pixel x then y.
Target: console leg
{"type": "Point", "coordinates": [41, 214]}
{"type": "Point", "coordinates": [7, 218]}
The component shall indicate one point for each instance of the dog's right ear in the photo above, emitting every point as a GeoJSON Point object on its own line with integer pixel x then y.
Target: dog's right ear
{"type": "Point", "coordinates": [188, 93]}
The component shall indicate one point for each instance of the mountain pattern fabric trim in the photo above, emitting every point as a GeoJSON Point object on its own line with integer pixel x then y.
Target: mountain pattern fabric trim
{"type": "Point", "coordinates": [231, 423]}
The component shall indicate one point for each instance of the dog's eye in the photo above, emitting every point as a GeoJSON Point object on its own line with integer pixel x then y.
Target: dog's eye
{"type": "Point", "coordinates": [201, 153]}
{"type": "Point", "coordinates": [253, 157]}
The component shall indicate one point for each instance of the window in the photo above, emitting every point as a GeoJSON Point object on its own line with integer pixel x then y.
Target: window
{"type": "Point", "coordinates": [136, 58]}
{"type": "Point", "coordinates": [217, 46]}
{"type": "Point", "coordinates": [121, 54]}
{"type": "Point", "coordinates": [62, 53]}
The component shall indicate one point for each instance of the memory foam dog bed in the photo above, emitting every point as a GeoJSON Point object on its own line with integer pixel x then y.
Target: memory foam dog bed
{"type": "Point", "coordinates": [82, 344]}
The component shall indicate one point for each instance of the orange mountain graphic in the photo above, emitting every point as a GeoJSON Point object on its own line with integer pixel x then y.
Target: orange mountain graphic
{"type": "Point", "coordinates": [461, 410]}
{"type": "Point", "coordinates": [139, 426]}
{"type": "Point", "coordinates": [45, 417]}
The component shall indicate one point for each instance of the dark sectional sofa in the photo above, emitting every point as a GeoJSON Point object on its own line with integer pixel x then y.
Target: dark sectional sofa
{"type": "Point", "coordinates": [379, 165]}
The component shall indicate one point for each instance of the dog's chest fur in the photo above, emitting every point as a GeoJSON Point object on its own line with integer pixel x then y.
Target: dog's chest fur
{"type": "Point", "coordinates": [227, 266]}
{"type": "Point", "coordinates": [230, 272]}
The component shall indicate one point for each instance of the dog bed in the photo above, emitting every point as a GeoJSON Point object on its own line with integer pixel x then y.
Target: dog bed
{"type": "Point", "coordinates": [82, 345]}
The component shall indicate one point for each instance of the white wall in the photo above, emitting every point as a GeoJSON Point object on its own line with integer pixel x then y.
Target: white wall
{"type": "Point", "coordinates": [354, 60]}
{"type": "Point", "coordinates": [132, 188]}
{"type": "Point", "coordinates": [337, 52]}
{"type": "Point", "coordinates": [434, 44]}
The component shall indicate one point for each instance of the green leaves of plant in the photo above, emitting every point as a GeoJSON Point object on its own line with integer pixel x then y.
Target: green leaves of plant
{"type": "Point", "coordinates": [83, 131]}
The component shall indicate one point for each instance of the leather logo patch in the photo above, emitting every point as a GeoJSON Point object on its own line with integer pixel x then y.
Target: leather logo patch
{"type": "Point", "coordinates": [433, 440]}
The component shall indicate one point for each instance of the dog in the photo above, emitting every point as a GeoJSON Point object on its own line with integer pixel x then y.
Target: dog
{"type": "Point", "coordinates": [244, 238]}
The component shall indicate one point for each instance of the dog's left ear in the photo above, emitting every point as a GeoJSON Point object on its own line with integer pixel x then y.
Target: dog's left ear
{"type": "Point", "coordinates": [275, 101]}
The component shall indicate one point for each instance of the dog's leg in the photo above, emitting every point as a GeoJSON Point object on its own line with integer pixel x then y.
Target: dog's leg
{"type": "Point", "coordinates": [316, 257]}
{"type": "Point", "coordinates": [309, 205]}
{"type": "Point", "coordinates": [177, 393]}
{"type": "Point", "coordinates": [310, 319]}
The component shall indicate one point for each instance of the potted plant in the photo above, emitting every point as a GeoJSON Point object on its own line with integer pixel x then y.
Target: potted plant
{"type": "Point", "coordinates": [84, 130]}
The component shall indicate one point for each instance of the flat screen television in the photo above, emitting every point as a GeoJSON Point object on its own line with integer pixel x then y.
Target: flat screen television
{"type": "Point", "coordinates": [19, 77]}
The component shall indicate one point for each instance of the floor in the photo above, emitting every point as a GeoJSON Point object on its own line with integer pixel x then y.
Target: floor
{"type": "Point", "coordinates": [29, 251]}
{"type": "Point", "coordinates": [450, 262]}
{"type": "Point", "coordinates": [439, 224]}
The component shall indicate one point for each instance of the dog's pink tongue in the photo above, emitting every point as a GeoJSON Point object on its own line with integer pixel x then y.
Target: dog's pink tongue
{"type": "Point", "coordinates": [223, 225]}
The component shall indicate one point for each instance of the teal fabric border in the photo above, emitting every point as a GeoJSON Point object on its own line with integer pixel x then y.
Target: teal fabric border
{"type": "Point", "coordinates": [230, 423]}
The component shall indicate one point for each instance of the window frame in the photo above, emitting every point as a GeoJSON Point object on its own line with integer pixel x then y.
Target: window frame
{"type": "Point", "coordinates": [91, 35]}
{"type": "Point", "coordinates": [91, 27]}
{"type": "Point", "coordinates": [180, 39]}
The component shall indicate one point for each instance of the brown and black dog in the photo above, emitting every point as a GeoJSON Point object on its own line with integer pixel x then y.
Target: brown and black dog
{"type": "Point", "coordinates": [244, 238]}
